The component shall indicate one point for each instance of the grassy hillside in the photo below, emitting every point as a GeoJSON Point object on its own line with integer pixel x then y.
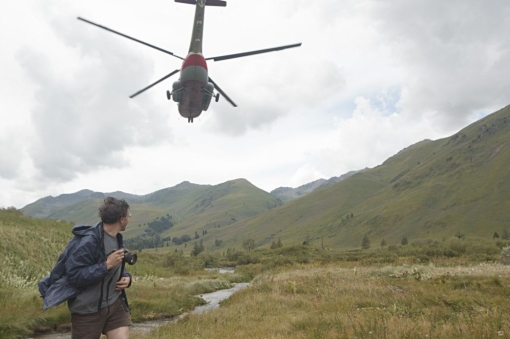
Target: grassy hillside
{"type": "Point", "coordinates": [191, 207]}
{"type": "Point", "coordinates": [286, 194]}
{"type": "Point", "coordinates": [434, 189]}
{"type": "Point", "coordinates": [458, 185]}
{"type": "Point", "coordinates": [28, 247]}
{"type": "Point", "coordinates": [224, 205]}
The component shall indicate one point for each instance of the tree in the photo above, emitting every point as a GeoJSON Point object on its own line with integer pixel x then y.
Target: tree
{"type": "Point", "coordinates": [275, 245]}
{"type": "Point", "coordinates": [197, 248]}
{"type": "Point", "coordinates": [365, 244]}
{"type": "Point", "coordinates": [404, 241]}
{"type": "Point", "coordinates": [383, 243]}
{"type": "Point", "coordinates": [505, 235]}
{"type": "Point", "coordinates": [249, 244]}
{"type": "Point", "coordinates": [308, 240]}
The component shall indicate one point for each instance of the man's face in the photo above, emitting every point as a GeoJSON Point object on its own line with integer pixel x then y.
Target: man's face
{"type": "Point", "coordinates": [124, 221]}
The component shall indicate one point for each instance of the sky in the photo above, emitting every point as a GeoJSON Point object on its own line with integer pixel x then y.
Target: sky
{"type": "Point", "coordinates": [371, 78]}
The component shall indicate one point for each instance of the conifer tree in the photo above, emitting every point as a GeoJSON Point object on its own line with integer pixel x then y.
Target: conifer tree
{"type": "Point", "coordinates": [404, 241]}
{"type": "Point", "coordinates": [249, 244]}
{"type": "Point", "coordinates": [365, 244]}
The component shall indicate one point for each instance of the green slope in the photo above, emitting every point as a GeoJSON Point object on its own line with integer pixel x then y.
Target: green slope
{"type": "Point", "coordinates": [192, 207]}
{"type": "Point", "coordinates": [433, 189]}
{"type": "Point", "coordinates": [223, 205]}
{"type": "Point", "coordinates": [29, 248]}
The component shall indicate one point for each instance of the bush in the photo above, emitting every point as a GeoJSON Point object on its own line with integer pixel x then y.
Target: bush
{"type": "Point", "coordinates": [459, 246]}
{"type": "Point", "coordinates": [243, 258]}
{"type": "Point", "coordinates": [184, 265]}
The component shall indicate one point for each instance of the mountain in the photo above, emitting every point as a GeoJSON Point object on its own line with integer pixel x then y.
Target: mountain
{"type": "Point", "coordinates": [429, 190]}
{"type": "Point", "coordinates": [287, 194]}
{"type": "Point", "coordinates": [187, 204]}
{"type": "Point", "coordinates": [333, 180]}
{"type": "Point", "coordinates": [433, 189]}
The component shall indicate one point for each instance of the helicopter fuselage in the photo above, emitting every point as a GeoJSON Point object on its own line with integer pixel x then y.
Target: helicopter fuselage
{"type": "Point", "coordinates": [195, 88]}
{"type": "Point", "coordinates": [193, 91]}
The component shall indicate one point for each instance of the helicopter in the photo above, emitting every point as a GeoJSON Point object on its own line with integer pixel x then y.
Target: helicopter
{"type": "Point", "coordinates": [194, 90]}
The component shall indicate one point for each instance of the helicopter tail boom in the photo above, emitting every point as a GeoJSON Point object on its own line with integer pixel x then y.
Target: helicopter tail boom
{"type": "Point", "coordinates": [219, 3]}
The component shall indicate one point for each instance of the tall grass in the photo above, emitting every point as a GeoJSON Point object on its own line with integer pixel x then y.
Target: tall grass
{"type": "Point", "coordinates": [331, 301]}
{"type": "Point", "coordinates": [450, 288]}
{"type": "Point", "coordinates": [29, 249]}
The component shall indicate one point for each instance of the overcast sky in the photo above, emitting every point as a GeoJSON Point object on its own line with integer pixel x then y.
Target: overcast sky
{"type": "Point", "coordinates": [371, 78]}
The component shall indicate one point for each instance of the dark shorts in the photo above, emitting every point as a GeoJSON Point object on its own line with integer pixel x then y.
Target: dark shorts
{"type": "Point", "coordinates": [91, 326]}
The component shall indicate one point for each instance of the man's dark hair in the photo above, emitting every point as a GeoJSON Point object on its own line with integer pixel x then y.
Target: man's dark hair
{"type": "Point", "coordinates": [111, 210]}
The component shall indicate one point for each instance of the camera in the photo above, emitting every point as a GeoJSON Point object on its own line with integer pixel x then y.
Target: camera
{"type": "Point", "coordinates": [129, 257]}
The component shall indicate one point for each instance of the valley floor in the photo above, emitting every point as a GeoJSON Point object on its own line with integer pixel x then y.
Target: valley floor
{"type": "Point", "coordinates": [344, 301]}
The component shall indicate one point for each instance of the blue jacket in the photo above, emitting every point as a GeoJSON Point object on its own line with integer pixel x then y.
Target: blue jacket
{"type": "Point", "coordinates": [81, 264]}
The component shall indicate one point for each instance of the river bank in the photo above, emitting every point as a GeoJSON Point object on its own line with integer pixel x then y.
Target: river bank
{"type": "Point", "coordinates": [212, 300]}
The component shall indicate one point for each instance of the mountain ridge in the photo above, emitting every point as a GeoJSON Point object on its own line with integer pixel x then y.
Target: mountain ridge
{"type": "Point", "coordinates": [433, 189]}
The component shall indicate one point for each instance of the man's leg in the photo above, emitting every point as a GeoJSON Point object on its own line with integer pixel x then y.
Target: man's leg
{"type": "Point", "coordinates": [118, 321]}
{"type": "Point", "coordinates": [86, 326]}
{"type": "Point", "coordinates": [118, 333]}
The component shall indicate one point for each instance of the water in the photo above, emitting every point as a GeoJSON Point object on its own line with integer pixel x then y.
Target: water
{"type": "Point", "coordinates": [222, 270]}
{"type": "Point", "coordinates": [213, 301]}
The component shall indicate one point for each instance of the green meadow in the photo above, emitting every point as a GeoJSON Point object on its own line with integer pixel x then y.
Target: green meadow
{"type": "Point", "coordinates": [338, 300]}
{"type": "Point", "coordinates": [449, 288]}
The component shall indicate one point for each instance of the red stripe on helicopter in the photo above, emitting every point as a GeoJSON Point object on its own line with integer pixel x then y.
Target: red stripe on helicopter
{"type": "Point", "coordinates": [194, 60]}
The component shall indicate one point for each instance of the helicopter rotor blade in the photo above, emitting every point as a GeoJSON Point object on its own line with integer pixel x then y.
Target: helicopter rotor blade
{"type": "Point", "coordinates": [239, 55]}
{"type": "Point", "coordinates": [222, 93]}
{"type": "Point", "coordinates": [130, 38]}
{"type": "Point", "coordinates": [155, 83]}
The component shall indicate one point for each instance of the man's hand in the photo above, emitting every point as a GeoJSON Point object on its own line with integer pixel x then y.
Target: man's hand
{"type": "Point", "coordinates": [122, 283]}
{"type": "Point", "coordinates": [114, 259]}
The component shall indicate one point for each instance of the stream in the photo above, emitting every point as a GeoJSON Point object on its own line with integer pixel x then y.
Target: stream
{"type": "Point", "coordinates": [213, 301]}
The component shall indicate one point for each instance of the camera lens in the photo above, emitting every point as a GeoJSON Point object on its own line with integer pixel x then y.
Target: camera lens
{"type": "Point", "coordinates": [130, 257]}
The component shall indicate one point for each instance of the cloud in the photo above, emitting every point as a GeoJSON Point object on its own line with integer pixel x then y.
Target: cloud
{"type": "Point", "coordinates": [455, 54]}
{"type": "Point", "coordinates": [83, 119]}
{"type": "Point", "coordinates": [366, 139]}
{"type": "Point", "coordinates": [306, 173]}
{"type": "Point", "coordinates": [11, 153]}
{"type": "Point", "coordinates": [371, 78]}
{"type": "Point", "coordinates": [282, 88]}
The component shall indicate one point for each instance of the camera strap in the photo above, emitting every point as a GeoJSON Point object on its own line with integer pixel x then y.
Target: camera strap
{"type": "Point", "coordinates": [100, 302]}
{"type": "Point", "coordinates": [107, 291]}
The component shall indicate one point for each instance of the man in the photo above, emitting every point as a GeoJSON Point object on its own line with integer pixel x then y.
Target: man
{"type": "Point", "coordinates": [95, 267]}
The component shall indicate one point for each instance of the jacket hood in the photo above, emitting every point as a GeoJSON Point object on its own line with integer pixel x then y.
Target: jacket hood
{"type": "Point", "coordinates": [83, 230]}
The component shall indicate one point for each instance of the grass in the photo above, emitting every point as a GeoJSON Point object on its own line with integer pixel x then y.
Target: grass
{"type": "Point", "coordinates": [332, 301]}
{"type": "Point", "coordinates": [450, 288]}
{"type": "Point", "coordinates": [164, 284]}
